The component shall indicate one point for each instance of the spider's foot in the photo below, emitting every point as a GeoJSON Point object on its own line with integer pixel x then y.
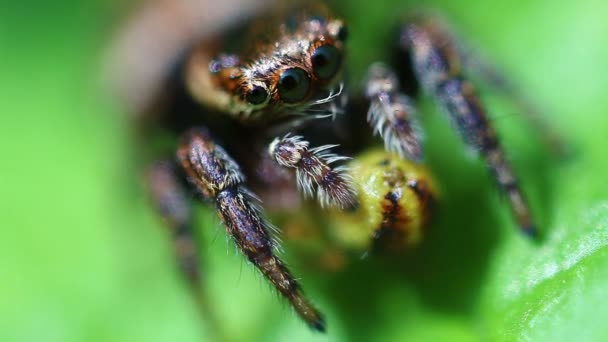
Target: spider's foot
{"type": "Point", "coordinates": [530, 231]}
{"type": "Point", "coordinates": [319, 325]}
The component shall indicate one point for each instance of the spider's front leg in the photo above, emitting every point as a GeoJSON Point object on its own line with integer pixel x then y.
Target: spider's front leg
{"type": "Point", "coordinates": [437, 66]}
{"type": "Point", "coordinates": [217, 176]}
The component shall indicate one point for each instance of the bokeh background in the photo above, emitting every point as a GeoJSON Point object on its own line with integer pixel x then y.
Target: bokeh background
{"type": "Point", "coordinates": [83, 257]}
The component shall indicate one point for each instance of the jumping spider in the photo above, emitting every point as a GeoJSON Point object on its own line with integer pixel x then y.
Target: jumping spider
{"type": "Point", "coordinates": [250, 106]}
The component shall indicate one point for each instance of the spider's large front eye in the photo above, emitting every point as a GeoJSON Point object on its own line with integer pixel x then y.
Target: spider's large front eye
{"type": "Point", "coordinates": [326, 61]}
{"type": "Point", "coordinates": [293, 85]}
{"type": "Point", "coordinates": [257, 95]}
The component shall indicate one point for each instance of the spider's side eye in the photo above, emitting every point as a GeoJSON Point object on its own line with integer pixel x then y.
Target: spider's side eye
{"type": "Point", "coordinates": [326, 61]}
{"type": "Point", "coordinates": [293, 85]}
{"type": "Point", "coordinates": [257, 95]}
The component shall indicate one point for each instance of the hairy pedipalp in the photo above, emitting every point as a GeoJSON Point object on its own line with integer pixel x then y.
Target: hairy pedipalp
{"type": "Point", "coordinates": [333, 185]}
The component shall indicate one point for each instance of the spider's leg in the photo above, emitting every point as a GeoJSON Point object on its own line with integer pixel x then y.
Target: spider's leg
{"type": "Point", "coordinates": [175, 207]}
{"type": "Point", "coordinates": [436, 64]}
{"type": "Point", "coordinates": [392, 114]}
{"type": "Point", "coordinates": [315, 172]}
{"type": "Point", "coordinates": [217, 176]}
{"type": "Point", "coordinates": [476, 65]}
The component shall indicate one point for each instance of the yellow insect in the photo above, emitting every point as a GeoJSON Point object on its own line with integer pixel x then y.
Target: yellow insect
{"type": "Point", "coordinates": [396, 197]}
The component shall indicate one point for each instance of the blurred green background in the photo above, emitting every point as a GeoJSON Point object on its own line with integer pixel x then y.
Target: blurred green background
{"type": "Point", "coordinates": [83, 257]}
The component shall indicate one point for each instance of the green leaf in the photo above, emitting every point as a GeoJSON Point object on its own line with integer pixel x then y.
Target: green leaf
{"type": "Point", "coordinates": [84, 258]}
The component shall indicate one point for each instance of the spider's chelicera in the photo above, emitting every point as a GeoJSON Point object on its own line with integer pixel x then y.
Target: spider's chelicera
{"type": "Point", "coordinates": [266, 113]}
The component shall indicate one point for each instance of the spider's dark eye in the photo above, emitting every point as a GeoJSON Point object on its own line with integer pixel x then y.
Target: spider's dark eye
{"type": "Point", "coordinates": [257, 95]}
{"type": "Point", "coordinates": [293, 85]}
{"type": "Point", "coordinates": [326, 61]}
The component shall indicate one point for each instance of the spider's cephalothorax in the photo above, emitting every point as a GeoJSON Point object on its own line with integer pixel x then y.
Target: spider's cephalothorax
{"type": "Point", "coordinates": [265, 96]}
{"type": "Point", "coordinates": [290, 68]}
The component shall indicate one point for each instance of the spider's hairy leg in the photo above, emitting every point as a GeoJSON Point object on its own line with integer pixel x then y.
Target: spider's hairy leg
{"type": "Point", "coordinates": [459, 98]}
{"type": "Point", "coordinates": [175, 207]}
{"type": "Point", "coordinates": [392, 114]}
{"type": "Point", "coordinates": [437, 66]}
{"type": "Point", "coordinates": [314, 172]}
{"type": "Point", "coordinates": [476, 65]}
{"type": "Point", "coordinates": [217, 176]}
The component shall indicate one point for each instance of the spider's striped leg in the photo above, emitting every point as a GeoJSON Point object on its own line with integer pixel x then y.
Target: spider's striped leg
{"type": "Point", "coordinates": [315, 172]}
{"type": "Point", "coordinates": [217, 177]}
{"type": "Point", "coordinates": [175, 206]}
{"type": "Point", "coordinates": [436, 64]}
{"type": "Point", "coordinates": [476, 65]}
{"type": "Point", "coordinates": [459, 99]}
{"type": "Point", "coordinates": [392, 114]}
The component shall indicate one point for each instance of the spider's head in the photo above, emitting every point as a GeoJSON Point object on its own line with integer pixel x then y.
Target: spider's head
{"type": "Point", "coordinates": [298, 72]}
{"type": "Point", "coordinates": [295, 70]}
